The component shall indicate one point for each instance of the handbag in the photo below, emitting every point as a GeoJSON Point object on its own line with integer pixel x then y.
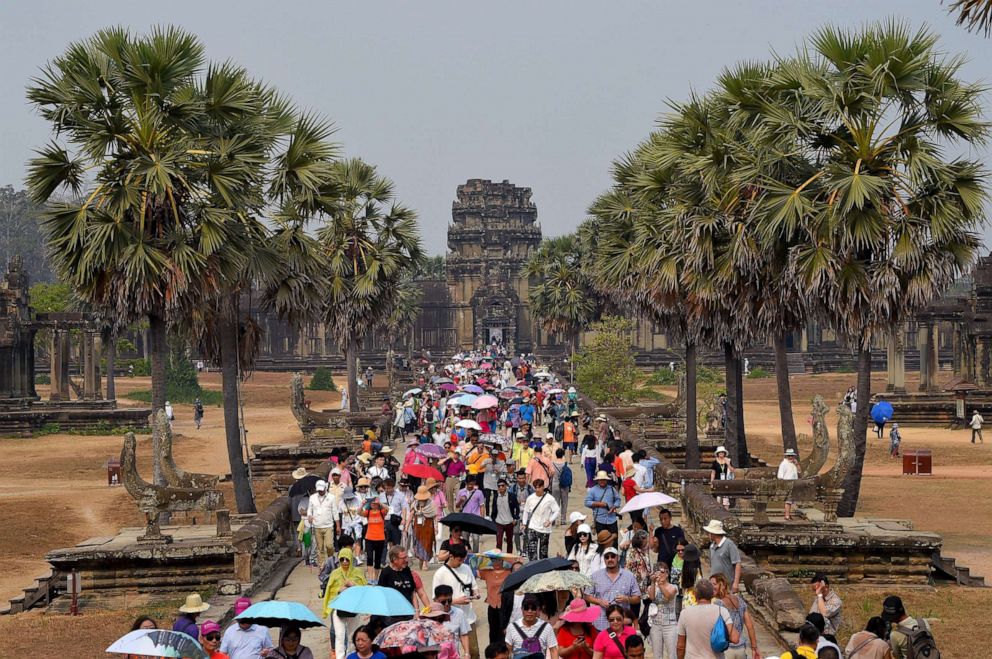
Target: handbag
{"type": "Point", "coordinates": [642, 621]}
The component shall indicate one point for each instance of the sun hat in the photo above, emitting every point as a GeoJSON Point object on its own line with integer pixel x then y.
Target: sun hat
{"type": "Point", "coordinates": [299, 473]}
{"type": "Point", "coordinates": [601, 417]}
{"type": "Point", "coordinates": [604, 537]}
{"type": "Point", "coordinates": [549, 435]}
{"type": "Point", "coordinates": [386, 450]}
{"type": "Point", "coordinates": [321, 485]}
{"type": "Point", "coordinates": [423, 493]}
{"type": "Point", "coordinates": [584, 528]}
{"type": "Point", "coordinates": [579, 611]}
{"type": "Point", "coordinates": [721, 449]}
{"type": "Point", "coordinates": [790, 452]}
{"type": "Point", "coordinates": [691, 553]}
{"type": "Point", "coordinates": [715, 526]}
{"type": "Point", "coordinates": [602, 476]}
{"type": "Point", "coordinates": [364, 482]}
{"type": "Point", "coordinates": [348, 494]}
{"type": "Point", "coordinates": [431, 483]}
{"type": "Point", "coordinates": [209, 627]}
{"type": "Point", "coordinates": [335, 472]}
{"type": "Point", "coordinates": [611, 550]}
{"type": "Point", "coordinates": [436, 610]}
{"type": "Point", "coordinates": [241, 605]}
{"type": "Point", "coordinates": [365, 457]}
{"type": "Point", "coordinates": [630, 472]}
{"type": "Point", "coordinates": [576, 516]}
{"type": "Point", "coordinates": [571, 390]}
{"type": "Point", "coordinates": [194, 604]}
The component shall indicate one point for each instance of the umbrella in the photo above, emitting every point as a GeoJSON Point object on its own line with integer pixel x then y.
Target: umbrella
{"type": "Point", "coordinates": [516, 579]}
{"type": "Point", "coordinates": [516, 401]}
{"type": "Point", "coordinates": [556, 391]}
{"type": "Point", "coordinates": [547, 582]}
{"type": "Point", "coordinates": [430, 451]}
{"type": "Point", "coordinates": [377, 600]}
{"type": "Point", "coordinates": [470, 523]}
{"type": "Point", "coordinates": [158, 643]}
{"type": "Point", "coordinates": [423, 471]}
{"type": "Point", "coordinates": [276, 614]}
{"type": "Point", "coordinates": [416, 634]}
{"type": "Point", "coordinates": [543, 374]}
{"type": "Point", "coordinates": [485, 365]}
{"type": "Point", "coordinates": [412, 392]}
{"type": "Point", "coordinates": [306, 485]}
{"type": "Point", "coordinates": [440, 380]}
{"type": "Point", "coordinates": [881, 411]}
{"type": "Point", "coordinates": [509, 393]}
{"type": "Point", "coordinates": [474, 389]}
{"type": "Point", "coordinates": [485, 402]}
{"type": "Point", "coordinates": [521, 383]}
{"type": "Point", "coordinates": [647, 500]}
{"type": "Point", "coordinates": [466, 400]}
{"type": "Point", "coordinates": [448, 386]}
{"type": "Point", "coordinates": [468, 423]}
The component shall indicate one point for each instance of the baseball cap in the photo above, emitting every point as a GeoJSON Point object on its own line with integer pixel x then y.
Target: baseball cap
{"type": "Point", "coordinates": [611, 550]}
{"type": "Point", "coordinates": [209, 627]}
{"type": "Point", "coordinates": [321, 485]}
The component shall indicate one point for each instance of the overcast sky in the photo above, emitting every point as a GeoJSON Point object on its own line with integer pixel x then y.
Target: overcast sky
{"type": "Point", "coordinates": [542, 93]}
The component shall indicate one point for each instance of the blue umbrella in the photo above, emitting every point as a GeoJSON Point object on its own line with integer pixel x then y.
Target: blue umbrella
{"type": "Point", "coordinates": [881, 411]}
{"type": "Point", "coordinates": [466, 400]}
{"type": "Point", "coordinates": [377, 600]}
{"type": "Point", "coordinates": [276, 614]}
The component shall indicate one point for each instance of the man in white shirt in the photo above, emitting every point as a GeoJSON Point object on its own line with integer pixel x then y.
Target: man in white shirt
{"type": "Point", "coordinates": [788, 470]}
{"type": "Point", "coordinates": [541, 512]}
{"type": "Point", "coordinates": [459, 577]}
{"type": "Point", "coordinates": [324, 515]}
{"type": "Point", "coordinates": [976, 427]}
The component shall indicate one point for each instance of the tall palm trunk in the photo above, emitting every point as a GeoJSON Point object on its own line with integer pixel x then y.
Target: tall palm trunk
{"type": "Point", "coordinates": [159, 353]}
{"type": "Point", "coordinates": [692, 457]}
{"type": "Point", "coordinates": [229, 336]}
{"type": "Point", "coordinates": [111, 352]}
{"type": "Point", "coordinates": [784, 394]}
{"type": "Point", "coordinates": [852, 483]}
{"type": "Point", "coordinates": [743, 455]}
{"type": "Point", "coordinates": [351, 356]}
{"type": "Point", "coordinates": [731, 432]}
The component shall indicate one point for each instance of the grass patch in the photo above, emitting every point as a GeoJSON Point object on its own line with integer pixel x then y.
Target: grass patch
{"type": "Point", "coordinates": [707, 374]}
{"type": "Point", "coordinates": [207, 396]}
{"type": "Point", "coordinates": [758, 373]}
{"type": "Point", "coordinates": [662, 376]}
{"type": "Point", "coordinates": [649, 394]}
{"type": "Point", "coordinates": [322, 380]}
{"type": "Point", "coordinates": [98, 429]}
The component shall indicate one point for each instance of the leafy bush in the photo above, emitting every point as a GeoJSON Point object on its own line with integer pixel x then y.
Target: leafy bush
{"type": "Point", "coordinates": [181, 385]}
{"type": "Point", "coordinates": [322, 380]}
{"type": "Point", "coordinates": [142, 367]}
{"type": "Point", "coordinates": [650, 394]}
{"type": "Point", "coordinates": [208, 397]}
{"type": "Point", "coordinates": [42, 378]}
{"type": "Point", "coordinates": [757, 373]}
{"type": "Point", "coordinates": [662, 376]}
{"type": "Point", "coordinates": [707, 374]}
{"type": "Point", "coordinates": [605, 369]}
{"type": "Point", "coordinates": [845, 368]}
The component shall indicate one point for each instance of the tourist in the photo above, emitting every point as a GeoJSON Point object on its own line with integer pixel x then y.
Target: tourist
{"type": "Point", "coordinates": [170, 414]}
{"type": "Point", "coordinates": [324, 516]}
{"type": "Point", "coordinates": [638, 562]}
{"type": "Point", "coordinates": [976, 427]}
{"type": "Point", "coordinates": [437, 497]}
{"type": "Point", "coordinates": [455, 537]}
{"type": "Point", "coordinates": [828, 652]}
{"type": "Point", "coordinates": [609, 643]}
{"type": "Point", "coordinates": [577, 635]}
{"type": "Point", "coordinates": [453, 469]}
{"type": "Point", "coordinates": [506, 510]}
{"type": "Point", "coordinates": [691, 571]}
{"type": "Point", "coordinates": [880, 421]}
{"type": "Point", "coordinates": [696, 624]}
{"type": "Point", "coordinates": [539, 516]}
{"type": "Point", "coordinates": [662, 597]}
{"type": "Point", "coordinates": [459, 576]}
{"type": "Point", "coordinates": [826, 602]}
{"type": "Point", "coordinates": [375, 537]}
{"type": "Point", "coordinates": [198, 412]}
{"type": "Point", "coordinates": [590, 455]}
{"type": "Point", "coordinates": [721, 469]}
{"type": "Point", "coordinates": [191, 608]}
{"type": "Point", "coordinates": [806, 648]}
{"type": "Point", "coordinates": [907, 633]}
{"type": "Point", "coordinates": [493, 470]}
{"type": "Point", "coordinates": [530, 637]}
{"type": "Point", "coordinates": [739, 614]}
{"type": "Point", "coordinates": [820, 623]}
{"type": "Point", "coordinates": [561, 481]}
{"type": "Point", "coordinates": [575, 520]}
{"type": "Point", "coordinates": [586, 552]}
{"type": "Point", "coordinates": [634, 646]}
{"type": "Point", "coordinates": [210, 640]}
{"type": "Point", "coordinates": [397, 508]}
{"type": "Point", "coordinates": [471, 500]}
{"type": "Point", "coordinates": [870, 643]}
{"type": "Point", "coordinates": [362, 640]}
{"type": "Point", "coordinates": [627, 538]}
{"type": "Point", "coordinates": [378, 471]}
{"type": "Point", "coordinates": [346, 575]}
{"type": "Point", "coordinates": [612, 585]}
{"type": "Point", "coordinates": [521, 453]}
{"type": "Point", "coordinates": [456, 622]}
{"type": "Point", "coordinates": [521, 490]}
{"type": "Point", "coordinates": [895, 439]}
{"type": "Point", "coordinates": [289, 644]}
{"type": "Point", "coordinates": [494, 576]}
{"type": "Point", "coordinates": [143, 622]}
{"type": "Point", "coordinates": [398, 575]}
{"type": "Point", "coordinates": [604, 500]}
{"type": "Point", "coordinates": [498, 650]}
{"type": "Point", "coordinates": [336, 486]}
{"type": "Point", "coordinates": [725, 558]}
{"type": "Point", "coordinates": [344, 398]}
{"type": "Point", "coordinates": [245, 640]}
{"type": "Point", "coordinates": [542, 467]}
{"type": "Point", "coordinates": [788, 470]}
{"type": "Point", "coordinates": [422, 522]}
{"type": "Point", "coordinates": [666, 537]}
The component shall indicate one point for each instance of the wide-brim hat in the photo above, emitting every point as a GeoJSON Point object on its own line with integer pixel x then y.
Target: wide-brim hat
{"type": "Point", "coordinates": [630, 472]}
{"type": "Point", "coordinates": [423, 493]}
{"type": "Point", "coordinates": [385, 450]}
{"type": "Point", "coordinates": [194, 604]}
{"type": "Point", "coordinates": [299, 473]}
{"type": "Point", "coordinates": [604, 537]}
{"type": "Point", "coordinates": [363, 482]}
{"type": "Point", "coordinates": [790, 453]}
{"type": "Point", "coordinates": [715, 526]}
{"type": "Point", "coordinates": [430, 483]}
{"type": "Point", "coordinates": [691, 553]}
{"type": "Point", "coordinates": [721, 449]}
{"type": "Point", "coordinates": [579, 611]}
{"type": "Point", "coordinates": [435, 611]}
{"type": "Point", "coordinates": [601, 418]}
{"type": "Point", "coordinates": [365, 457]}
{"type": "Point", "coordinates": [602, 476]}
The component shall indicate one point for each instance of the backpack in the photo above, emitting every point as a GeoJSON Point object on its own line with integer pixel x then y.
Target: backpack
{"type": "Point", "coordinates": [921, 642]}
{"type": "Point", "coordinates": [565, 477]}
{"type": "Point", "coordinates": [718, 635]}
{"type": "Point", "coordinates": [531, 644]}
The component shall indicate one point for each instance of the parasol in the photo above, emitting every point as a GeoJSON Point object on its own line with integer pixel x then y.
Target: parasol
{"type": "Point", "coordinates": [418, 633]}
{"type": "Point", "coordinates": [485, 402]}
{"type": "Point", "coordinates": [423, 471]}
{"type": "Point", "coordinates": [448, 386]}
{"type": "Point", "coordinates": [375, 600]}
{"type": "Point", "coordinates": [881, 411]}
{"type": "Point", "coordinates": [647, 500]}
{"type": "Point", "coordinates": [468, 423]}
{"type": "Point", "coordinates": [470, 523]}
{"type": "Point", "coordinates": [517, 579]}
{"type": "Point", "coordinates": [305, 486]}
{"type": "Point", "coordinates": [474, 389]}
{"type": "Point", "coordinates": [430, 451]}
{"type": "Point", "coordinates": [412, 392]}
{"type": "Point", "coordinates": [272, 613]}
{"type": "Point", "coordinates": [158, 643]}
{"type": "Point", "coordinates": [547, 582]}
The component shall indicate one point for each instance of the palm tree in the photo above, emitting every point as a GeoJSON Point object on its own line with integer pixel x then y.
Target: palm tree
{"type": "Point", "coordinates": [370, 243]}
{"type": "Point", "coordinates": [403, 316]}
{"type": "Point", "coordinates": [887, 219]}
{"type": "Point", "coordinates": [974, 14]}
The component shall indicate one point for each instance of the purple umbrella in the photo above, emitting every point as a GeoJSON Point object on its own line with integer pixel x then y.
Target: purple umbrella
{"type": "Point", "coordinates": [431, 451]}
{"type": "Point", "coordinates": [474, 389]}
{"type": "Point", "coordinates": [447, 386]}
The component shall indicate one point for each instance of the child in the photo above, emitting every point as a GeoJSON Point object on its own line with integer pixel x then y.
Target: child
{"type": "Point", "coordinates": [895, 439]}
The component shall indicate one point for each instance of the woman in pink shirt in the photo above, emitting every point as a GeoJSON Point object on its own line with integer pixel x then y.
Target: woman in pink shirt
{"type": "Point", "coordinates": [610, 642]}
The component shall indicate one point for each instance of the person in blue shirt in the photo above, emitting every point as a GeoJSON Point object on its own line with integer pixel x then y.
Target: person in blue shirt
{"type": "Point", "coordinates": [527, 412]}
{"type": "Point", "coordinates": [362, 638]}
{"type": "Point", "coordinates": [604, 501]}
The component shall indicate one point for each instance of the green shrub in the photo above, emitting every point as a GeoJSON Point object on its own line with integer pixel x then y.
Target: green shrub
{"type": "Point", "coordinates": [181, 385]}
{"type": "Point", "coordinates": [757, 373]}
{"type": "Point", "coordinates": [142, 367]}
{"type": "Point", "coordinates": [650, 394]}
{"type": "Point", "coordinates": [322, 380]}
{"type": "Point", "coordinates": [662, 376]}
{"type": "Point", "coordinates": [707, 374]}
{"type": "Point", "coordinates": [605, 369]}
{"type": "Point", "coordinates": [845, 368]}
{"type": "Point", "coordinates": [208, 397]}
{"type": "Point", "coordinates": [42, 378]}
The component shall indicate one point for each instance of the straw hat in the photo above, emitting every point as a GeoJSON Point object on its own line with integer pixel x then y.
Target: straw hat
{"type": "Point", "coordinates": [630, 472]}
{"type": "Point", "coordinates": [363, 482]}
{"type": "Point", "coordinates": [602, 476]}
{"type": "Point", "coordinates": [194, 604]}
{"type": "Point", "coordinates": [299, 473]}
{"type": "Point", "coordinates": [436, 610]}
{"type": "Point", "coordinates": [579, 611]}
{"type": "Point", "coordinates": [365, 457]}
{"type": "Point", "coordinates": [604, 537]}
{"type": "Point", "coordinates": [790, 453]}
{"type": "Point", "coordinates": [423, 493]}
{"type": "Point", "coordinates": [715, 526]}
{"type": "Point", "coordinates": [430, 483]}
{"type": "Point", "coordinates": [385, 450]}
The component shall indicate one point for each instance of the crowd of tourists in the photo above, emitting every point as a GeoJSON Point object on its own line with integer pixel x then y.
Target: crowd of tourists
{"type": "Point", "coordinates": [486, 445]}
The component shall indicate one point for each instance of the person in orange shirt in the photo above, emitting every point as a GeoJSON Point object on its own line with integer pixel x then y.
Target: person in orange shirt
{"type": "Point", "coordinates": [375, 537]}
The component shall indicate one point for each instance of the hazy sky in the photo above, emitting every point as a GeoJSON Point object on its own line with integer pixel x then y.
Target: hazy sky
{"type": "Point", "coordinates": [543, 93]}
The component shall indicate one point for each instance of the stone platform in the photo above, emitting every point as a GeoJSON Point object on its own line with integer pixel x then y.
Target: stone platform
{"type": "Point", "coordinates": [75, 415]}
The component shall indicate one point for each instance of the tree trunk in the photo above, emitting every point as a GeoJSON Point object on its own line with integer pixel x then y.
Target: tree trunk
{"type": "Point", "coordinates": [351, 356]}
{"type": "Point", "coordinates": [852, 483]}
{"type": "Point", "coordinates": [111, 352]}
{"type": "Point", "coordinates": [243, 498]}
{"type": "Point", "coordinates": [692, 457]}
{"type": "Point", "coordinates": [731, 363]}
{"type": "Point", "coordinates": [159, 354]}
{"type": "Point", "coordinates": [784, 394]}
{"type": "Point", "coordinates": [743, 456]}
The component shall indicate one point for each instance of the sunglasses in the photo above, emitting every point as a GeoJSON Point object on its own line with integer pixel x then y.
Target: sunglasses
{"type": "Point", "coordinates": [610, 557]}
{"type": "Point", "coordinates": [444, 602]}
{"type": "Point", "coordinates": [679, 551]}
{"type": "Point", "coordinates": [615, 619]}
{"type": "Point", "coordinates": [345, 560]}
{"type": "Point", "coordinates": [212, 637]}
{"type": "Point", "coordinates": [529, 607]}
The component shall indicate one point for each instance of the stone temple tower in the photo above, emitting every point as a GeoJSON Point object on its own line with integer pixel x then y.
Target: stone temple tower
{"type": "Point", "coordinates": [493, 230]}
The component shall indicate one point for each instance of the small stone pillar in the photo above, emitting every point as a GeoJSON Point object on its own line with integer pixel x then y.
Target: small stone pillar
{"type": "Point", "coordinates": [923, 344]}
{"type": "Point", "coordinates": [899, 361]}
{"type": "Point", "coordinates": [59, 370]}
{"type": "Point", "coordinates": [933, 365]}
{"type": "Point", "coordinates": [91, 366]}
{"type": "Point", "coordinates": [223, 523]}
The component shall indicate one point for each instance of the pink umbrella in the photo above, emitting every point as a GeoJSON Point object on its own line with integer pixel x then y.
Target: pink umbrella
{"type": "Point", "coordinates": [485, 365]}
{"type": "Point", "coordinates": [447, 386]}
{"type": "Point", "coordinates": [485, 402]}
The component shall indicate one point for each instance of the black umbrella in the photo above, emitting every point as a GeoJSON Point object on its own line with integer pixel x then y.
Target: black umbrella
{"type": "Point", "coordinates": [470, 523]}
{"type": "Point", "coordinates": [516, 579]}
{"type": "Point", "coordinates": [304, 486]}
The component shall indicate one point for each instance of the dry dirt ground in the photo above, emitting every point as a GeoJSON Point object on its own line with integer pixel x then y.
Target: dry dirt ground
{"type": "Point", "coordinates": [53, 493]}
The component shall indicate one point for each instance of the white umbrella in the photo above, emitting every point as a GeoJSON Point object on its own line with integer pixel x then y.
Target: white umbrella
{"type": "Point", "coordinates": [157, 643]}
{"type": "Point", "coordinates": [468, 423]}
{"type": "Point", "coordinates": [412, 392]}
{"type": "Point", "coordinates": [647, 500]}
{"type": "Point", "coordinates": [543, 374]}
{"type": "Point", "coordinates": [556, 391]}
